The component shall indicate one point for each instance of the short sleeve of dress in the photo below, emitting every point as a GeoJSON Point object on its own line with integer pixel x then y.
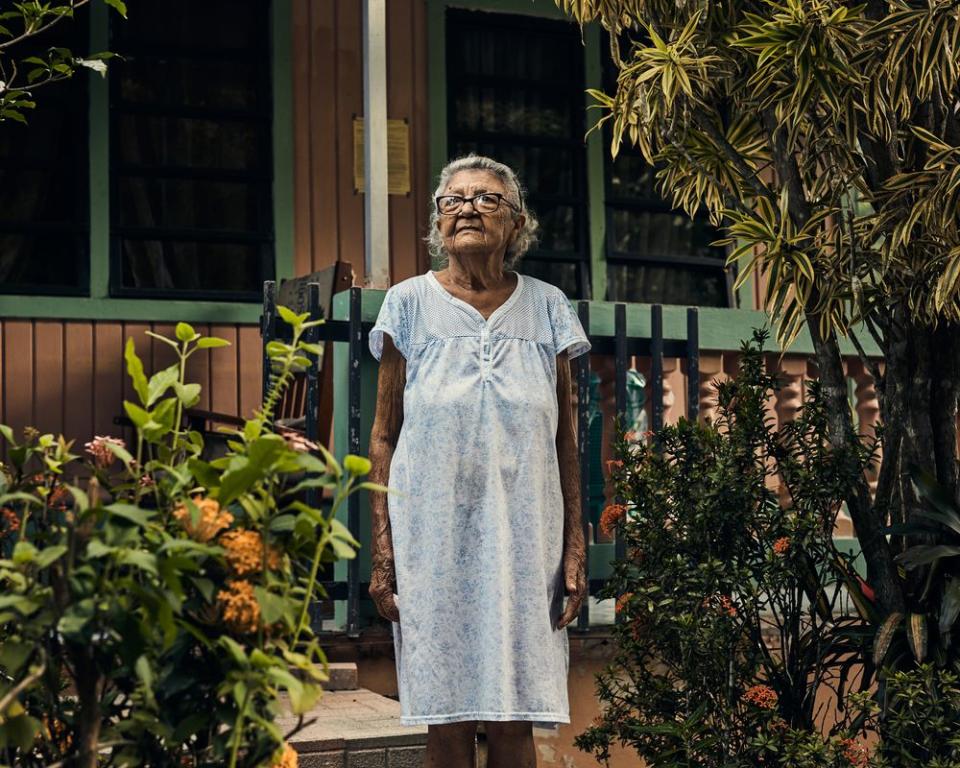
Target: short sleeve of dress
{"type": "Point", "coordinates": [392, 319]}
{"type": "Point", "coordinates": [568, 333]}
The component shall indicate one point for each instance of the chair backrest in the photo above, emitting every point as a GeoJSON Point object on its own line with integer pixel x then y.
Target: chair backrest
{"type": "Point", "coordinates": [295, 294]}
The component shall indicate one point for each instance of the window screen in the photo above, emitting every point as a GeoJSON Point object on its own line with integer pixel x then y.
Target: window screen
{"type": "Point", "coordinates": [191, 157]}
{"type": "Point", "coordinates": [515, 93]}
{"type": "Point", "coordinates": [655, 254]}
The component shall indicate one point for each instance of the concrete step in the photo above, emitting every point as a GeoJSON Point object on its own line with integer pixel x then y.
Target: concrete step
{"type": "Point", "coordinates": [343, 676]}
{"type": "Point", "coordinates": [355, 729]}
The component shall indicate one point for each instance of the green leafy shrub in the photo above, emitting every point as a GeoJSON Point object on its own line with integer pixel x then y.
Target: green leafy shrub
{"type": "Point", "coordinates": [917, 715]}
{"type": "Point", "coordinates": [153, 605]}
{"type": "Point", "coordinates": [737, 614]}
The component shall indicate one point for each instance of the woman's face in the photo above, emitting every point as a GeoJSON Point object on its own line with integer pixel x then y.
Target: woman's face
{"type": "Point", "coordinates": [473, 234]}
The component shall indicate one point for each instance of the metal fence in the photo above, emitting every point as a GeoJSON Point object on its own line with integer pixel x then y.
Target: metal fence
{"type": "Point", "coordinates": [621, 346]}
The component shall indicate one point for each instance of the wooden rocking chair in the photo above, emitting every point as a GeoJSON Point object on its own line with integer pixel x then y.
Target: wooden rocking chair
{"type": "Point", "coordinates": [316, 383]}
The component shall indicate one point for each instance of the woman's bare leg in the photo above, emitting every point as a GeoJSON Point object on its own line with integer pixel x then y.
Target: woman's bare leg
{"type": "Point", "coordinates": [451, 745]}
{"type": "Point", "coordinates": [510, 744]}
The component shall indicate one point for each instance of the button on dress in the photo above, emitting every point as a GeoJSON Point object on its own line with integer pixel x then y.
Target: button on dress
{"type": "Point", "coordinates": [477, 523]}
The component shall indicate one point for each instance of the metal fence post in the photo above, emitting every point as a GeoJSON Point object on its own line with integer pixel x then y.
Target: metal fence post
{"type": "Point", "coordinates": [353, 501]}
{"type": "Point", "coordinates": [268, 321]}
{"type": "Point", "coordinates": [693, 364]}
{"type": "Point", "coordinates": [311, 428]}
{"type": "Point", "coordinates": [583, 451]}
{"type": "Point", "coordinates": [620, 382]}
{"type": "Point", "coordinates": [656, 369]}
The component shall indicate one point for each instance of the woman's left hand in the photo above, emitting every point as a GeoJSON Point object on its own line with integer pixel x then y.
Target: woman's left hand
{"type": "Point", "coordinates": [575, 579]}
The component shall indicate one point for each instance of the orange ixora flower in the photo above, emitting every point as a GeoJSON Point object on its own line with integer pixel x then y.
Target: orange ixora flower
{"type": "Point", "coordinates": [58, 497]}
{"type": "Point", "coordinates": [778, 725]}
{"type": "Point", "coordinates": [245, 552]}
{"type": "Point", "coordinates": [613, 464]}
{"type": "Point", "coordinates": [238, 603]}
{"type": "Point", "coordinates": [622, 601]}
{"type": "Point", "coordinates": [782, 545]}
{"type": "Point", "coordinates": [722, 603]}
{"type": "Point", "coordinates": [11, 522]}
{"type": "Point", "coordinates": [854, 753]}
{"type": "Point", "coordinates": [287, 759]}
{"type": "Point", "coordinates": [762, 696]}
{"type": "Point", "coordinates": [213, 519]}
{"type": "Point", "coordinates": [610, 516]}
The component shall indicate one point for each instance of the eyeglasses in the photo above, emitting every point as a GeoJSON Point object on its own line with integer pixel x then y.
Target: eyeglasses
{"type": "Point", "coordinates": [485, 202]}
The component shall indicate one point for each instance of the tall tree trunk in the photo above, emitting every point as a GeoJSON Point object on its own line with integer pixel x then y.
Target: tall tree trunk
{"type": "Point", "coordinates": [943, 402]}
{"type": "Point", "coordinates": [881, 569]}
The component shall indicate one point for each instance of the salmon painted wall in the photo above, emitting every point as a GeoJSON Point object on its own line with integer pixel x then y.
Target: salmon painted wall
{"type": "Point", "coordinates": [68, 376]}
{"type": "Point", "coordinates": [328, 93]}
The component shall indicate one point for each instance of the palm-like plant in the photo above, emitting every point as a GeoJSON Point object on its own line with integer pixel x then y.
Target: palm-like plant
{"type": "Point", "coordinates": [824, 138]}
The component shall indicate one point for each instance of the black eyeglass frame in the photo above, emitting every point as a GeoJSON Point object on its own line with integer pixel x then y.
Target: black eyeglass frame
{"type": "Point", "coordinates": [501, 198]}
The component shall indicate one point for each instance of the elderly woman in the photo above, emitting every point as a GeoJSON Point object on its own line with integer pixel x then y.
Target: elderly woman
{"type": "Point", "coordinates": [474, 430]}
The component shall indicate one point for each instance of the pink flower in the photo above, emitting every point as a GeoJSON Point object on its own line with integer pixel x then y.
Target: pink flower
{"type": "Point", "coordinates": [103, 457]}
{"type": "Point", "coordinates": [297, 441]}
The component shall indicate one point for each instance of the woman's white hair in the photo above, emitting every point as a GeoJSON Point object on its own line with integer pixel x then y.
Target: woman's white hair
{"type": "Point", "coordinates": [526, 238]}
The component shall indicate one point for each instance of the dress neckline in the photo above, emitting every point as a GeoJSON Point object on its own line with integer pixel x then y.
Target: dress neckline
{"type": "Point", "coordinates": [511, 299]}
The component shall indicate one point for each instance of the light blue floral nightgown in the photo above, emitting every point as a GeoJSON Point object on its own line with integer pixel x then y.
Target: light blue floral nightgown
{"type": "Point", "coordinates": [478, 531]}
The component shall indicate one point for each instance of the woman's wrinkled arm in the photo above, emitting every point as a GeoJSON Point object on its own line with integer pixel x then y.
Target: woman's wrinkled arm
{"type": "Point", "coordinates": [391, 380]}
{"type": "Point", "coordinates": [574, 547]}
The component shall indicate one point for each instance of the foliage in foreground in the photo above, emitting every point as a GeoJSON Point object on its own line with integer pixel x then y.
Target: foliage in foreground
{"type": "Point", "coordinates": [823, 138]}
{"type": "Point", "coordinates": [745, 637]}
{"type": "Point", "coordinates": [154, 605]}
{"type": "Point", "coordinates": [21, 75]}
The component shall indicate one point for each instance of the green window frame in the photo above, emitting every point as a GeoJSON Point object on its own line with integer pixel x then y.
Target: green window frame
{"type": "Point", "coordinates": [99, 304]}
{"type": "Point", "coordinates": [531, 119]}
{"type": "Point", "coordinates": [596, 149]}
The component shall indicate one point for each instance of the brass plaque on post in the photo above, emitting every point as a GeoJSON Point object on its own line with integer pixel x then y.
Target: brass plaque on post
{"type": "Point", "coordinates": [398, 156]}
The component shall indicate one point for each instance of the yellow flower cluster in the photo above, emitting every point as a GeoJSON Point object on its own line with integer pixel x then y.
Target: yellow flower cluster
{"type": "Point", "coordinates": [245, 552]}
{"type": "Point", "coordinates": [288, 758]}
{"type": "Point", "coordinates": [212, 520]}
{"type": "Point", "coordinates": [241, 611]}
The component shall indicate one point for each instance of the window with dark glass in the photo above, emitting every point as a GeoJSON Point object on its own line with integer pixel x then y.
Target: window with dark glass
{"type": "Point", "coordinates": [191, 157]}
{"type": "Point", "coordinates": [44, 234]}
{"type": "Point", "coordinates": [515, 93]}
{"type": "Point", "coordinates": [656, 253]}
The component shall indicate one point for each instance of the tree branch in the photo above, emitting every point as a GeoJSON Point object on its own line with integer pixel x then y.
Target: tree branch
{"type": "Point", "coordinates": [748, 174]}
{"type": "Point", "coordinates": [39, 30]}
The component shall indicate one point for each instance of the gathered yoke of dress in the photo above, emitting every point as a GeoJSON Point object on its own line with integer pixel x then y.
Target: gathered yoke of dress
{"type": "Point", "coordinates": [477, 520]}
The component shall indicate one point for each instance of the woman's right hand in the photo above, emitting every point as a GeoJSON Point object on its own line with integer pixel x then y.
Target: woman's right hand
{"type": "Point", "coordinates": [383, 581]}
